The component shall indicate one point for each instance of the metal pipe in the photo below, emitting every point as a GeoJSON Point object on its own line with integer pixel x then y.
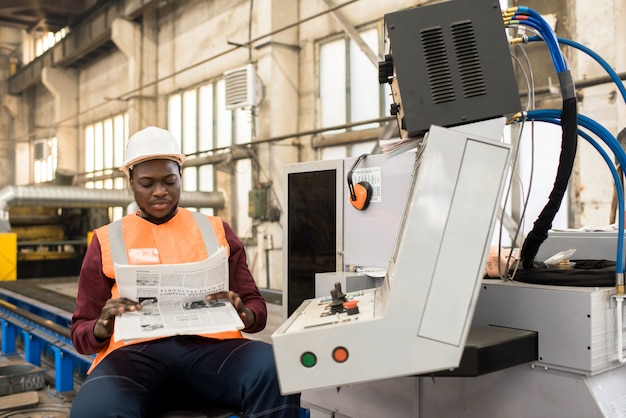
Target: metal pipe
{"type": "Point", "coordinates": [580, 84]}
{"type": "Point", "coordinates": [79, 197]}
{"type": "Point", "coordinates": [620, 331]}
{"type": "Point", "coordinates": [242, 151]}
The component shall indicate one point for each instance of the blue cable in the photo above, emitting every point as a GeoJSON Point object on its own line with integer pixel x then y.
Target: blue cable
{"type": "Point", "coordinates": [599, 60]}
{"type": "Point", "coordinates": [601, 132]}
{"type": "Point", "coordinates": [553, 116]}
{"type": "Point", "coordinates": [618, 186]}
{"type": "Point", "coordinates": [618, 82]}
{"type": "Point", "coordinates": [549, 38]}
{"type": "Point", "coordinates": [553, 48]}
{"type": "Point", "coordinates": [590, 124]}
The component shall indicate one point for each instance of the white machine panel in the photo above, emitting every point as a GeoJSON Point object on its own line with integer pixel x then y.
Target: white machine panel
{"type": "Point", "coordinates": [317, 312]}
{"type": "Point", "coordinates": [576, 325]}
{"type": "Point", "coordinates": [442, 246]}
{"type": "Point", "coordinates": [369, 235]}
{"type": "Point", "coordinates": [590, 245]}
{"type": "Point", "coordinates": [451, 294]}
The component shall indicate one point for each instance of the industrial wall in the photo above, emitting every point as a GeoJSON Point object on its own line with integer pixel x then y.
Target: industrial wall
{"type": "Point", "coordinates": [157, 49]}
{"type": "Point", "coordinates": [597, 26]}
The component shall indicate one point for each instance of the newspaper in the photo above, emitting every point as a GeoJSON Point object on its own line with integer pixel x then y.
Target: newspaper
{"type": "Point", "coordinates": [173, 298]}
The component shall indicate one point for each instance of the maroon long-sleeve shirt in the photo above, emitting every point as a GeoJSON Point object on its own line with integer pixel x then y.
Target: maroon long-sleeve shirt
{"type": "Point", "coordinates": [94, 289]}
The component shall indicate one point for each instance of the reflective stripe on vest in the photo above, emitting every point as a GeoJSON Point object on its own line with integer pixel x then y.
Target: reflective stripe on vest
{"type": "Point", "coordinates": [119, 253]}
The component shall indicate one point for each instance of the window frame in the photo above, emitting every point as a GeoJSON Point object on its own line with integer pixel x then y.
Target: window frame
{"type": "Point", "coordinates": [105, 143]}
{"type": "Point", "coordinates": [213, 134]}
{"type": "Point", "coordinates": [353, 55]}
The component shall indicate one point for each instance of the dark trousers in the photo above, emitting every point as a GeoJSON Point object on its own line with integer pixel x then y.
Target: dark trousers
{"type": "Point", "coordinates": [140, 380]}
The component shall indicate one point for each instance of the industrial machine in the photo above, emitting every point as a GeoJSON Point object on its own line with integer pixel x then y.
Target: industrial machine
{"type": "Point", "coordinates": [425, 304]}
{"type": "Point", "coordinates": [49, 227]}
{"type": "Point", "coordinates": [388, 311]}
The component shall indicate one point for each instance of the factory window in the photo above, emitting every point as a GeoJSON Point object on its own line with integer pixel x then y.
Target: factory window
{"type": "Point", "coordinates": [349, 91]}
{"type": "Point", "coordinates": [198, 117]}
{"type": "Point", "coordinates": [44, 160]}
{"type": "Point", "coordinates": [47, 41]}
{"type": "Point", "coordinates": [104, 154]}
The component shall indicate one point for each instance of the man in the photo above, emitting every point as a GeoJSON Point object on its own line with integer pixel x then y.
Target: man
{"type": "Point", "coordinates": [132, 379]}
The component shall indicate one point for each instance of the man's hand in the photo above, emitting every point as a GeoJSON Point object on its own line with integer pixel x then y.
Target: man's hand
{"type": "Point", "coordinates": [246, 314]}
{"type": "Point", "coordinates": [104, 325]}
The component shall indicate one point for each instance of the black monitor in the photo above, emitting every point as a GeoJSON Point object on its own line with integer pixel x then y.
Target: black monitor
{"type": "Point", "coordinates": [313, 221]}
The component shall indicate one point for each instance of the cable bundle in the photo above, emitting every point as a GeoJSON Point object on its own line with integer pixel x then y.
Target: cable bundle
{"type": "Point", "coordinates": [569, 142]}
{"type": "Point", "coordinates": [554, 116]}
{"type": "Point", "coordinates": [528, 17]}
{"type": "Point", "coordinates": [572, 125]}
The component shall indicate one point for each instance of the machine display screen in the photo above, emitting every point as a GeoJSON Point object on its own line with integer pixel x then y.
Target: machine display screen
{"type": "Point", "coordinates": [312, 232]}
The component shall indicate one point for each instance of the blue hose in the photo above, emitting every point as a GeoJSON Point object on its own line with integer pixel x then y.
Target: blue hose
{"type": "Point", "coordinates": [552, 115]}
{"type": "Point", "coordinates": [619, 260]}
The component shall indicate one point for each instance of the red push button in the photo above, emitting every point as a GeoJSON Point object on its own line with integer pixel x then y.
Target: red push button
{"type": "Point", "coordinates": [340, 354]}
{"type": "Point", "coordinates": [351, 304]}
{"type": "Point", "coordinates": [351, 307]}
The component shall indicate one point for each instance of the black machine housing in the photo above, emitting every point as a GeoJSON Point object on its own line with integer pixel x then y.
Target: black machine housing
{"type": "Point", "coordinates": [452, 63]}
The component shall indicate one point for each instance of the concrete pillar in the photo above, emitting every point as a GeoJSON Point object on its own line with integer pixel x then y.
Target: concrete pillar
{"type": "Point", "coordinates": [278, 70]}
{"type": "Point", "coordinates": [138, 43]}
{"type": "Point", "coordinates": [11, 107]}
{"type": "Point", "coordinates": [599, 27]}
{"type": "Point", "coordinates": [63, 85]}
{"type": "Point", "coordinates": [10, 112]}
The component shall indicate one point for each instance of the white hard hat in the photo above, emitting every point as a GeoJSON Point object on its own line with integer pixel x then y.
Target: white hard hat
{"type": "Point", "coordinates": [151, 143]}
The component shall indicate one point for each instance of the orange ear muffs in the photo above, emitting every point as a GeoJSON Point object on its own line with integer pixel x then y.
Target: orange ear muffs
{"type": "Point", "coordinates": [361, 193]}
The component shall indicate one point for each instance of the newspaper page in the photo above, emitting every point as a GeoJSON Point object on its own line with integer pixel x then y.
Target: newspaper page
{"type": "Point", "coordinates": [173, 298]}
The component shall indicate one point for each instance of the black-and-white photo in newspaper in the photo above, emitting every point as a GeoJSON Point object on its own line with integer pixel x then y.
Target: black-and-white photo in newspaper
{"type": "Point", "coordinates": [173, 299]}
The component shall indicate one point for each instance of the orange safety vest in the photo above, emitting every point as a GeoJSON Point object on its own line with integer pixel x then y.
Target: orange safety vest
{"type": "Point", "coordinates": [187, 237]}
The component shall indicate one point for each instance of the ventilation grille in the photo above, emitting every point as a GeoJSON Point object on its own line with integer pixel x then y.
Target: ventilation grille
{"type": "Point", "coordinates": [437, 65]}
{"type": "Point", "coordinates": [240, 87]}
{"type": "Point", "coordinates": [466, 51]}
{"type": "Point", "coordinates": [41, 150]}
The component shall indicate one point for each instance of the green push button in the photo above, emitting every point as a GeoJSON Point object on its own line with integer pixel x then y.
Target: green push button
{"type": "Point", "coordinates": [308, 359]}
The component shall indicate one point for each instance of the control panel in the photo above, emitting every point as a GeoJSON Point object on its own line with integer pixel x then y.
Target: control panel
{"type": "Point", "coordinates": [418, 319]}
{"type": "Point", "coordinates": [336, 310]}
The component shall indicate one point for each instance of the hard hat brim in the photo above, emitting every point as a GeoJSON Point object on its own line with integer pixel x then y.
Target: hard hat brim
{"type": "Point", "coordinates": [179, 158]}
